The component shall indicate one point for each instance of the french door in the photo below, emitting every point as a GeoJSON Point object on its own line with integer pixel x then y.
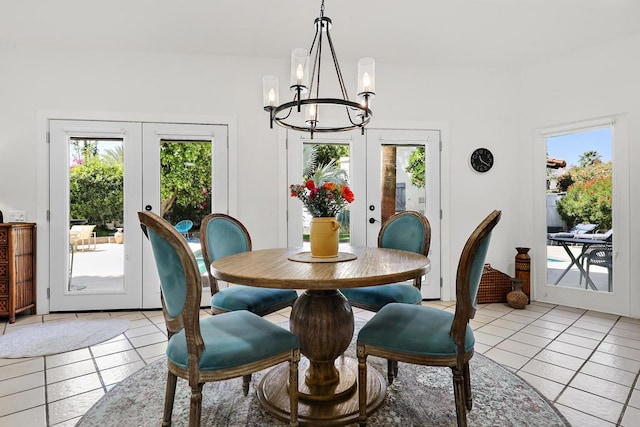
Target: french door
{"type": "Point", "coordinates": [414, 188]}
{"type": "Point", "coordinates": [101, 174]}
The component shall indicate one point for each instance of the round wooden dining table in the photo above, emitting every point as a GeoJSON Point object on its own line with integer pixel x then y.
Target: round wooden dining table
{"type": "Point", "coordinates": [322, 319]}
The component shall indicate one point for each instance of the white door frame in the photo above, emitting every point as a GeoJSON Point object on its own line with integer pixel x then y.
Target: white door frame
{"type": "Point", "coordinates": [618, 301]}
{"type": "Point", "coordinates": [43, 173]}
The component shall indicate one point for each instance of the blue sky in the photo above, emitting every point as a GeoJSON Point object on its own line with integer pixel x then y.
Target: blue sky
{"type": "Point", "coordinates": [570, 147]}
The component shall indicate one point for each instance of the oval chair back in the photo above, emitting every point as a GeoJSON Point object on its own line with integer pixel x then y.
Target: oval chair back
{"type": "Point", "coordinates": [222, 235]}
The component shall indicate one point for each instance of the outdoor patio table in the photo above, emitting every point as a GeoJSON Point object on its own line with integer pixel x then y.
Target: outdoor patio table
{"type": "Point", "coordinates": [577, 261]}
{"type": "Point", "coordinates": [323, 321]}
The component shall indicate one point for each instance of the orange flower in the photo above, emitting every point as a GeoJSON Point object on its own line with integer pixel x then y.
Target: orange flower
{"type": "Point", "coordinates": [347, 194]}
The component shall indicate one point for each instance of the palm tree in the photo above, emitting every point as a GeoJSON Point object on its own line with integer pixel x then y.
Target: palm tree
{"type": "Point", "coordinates": [589, 157]}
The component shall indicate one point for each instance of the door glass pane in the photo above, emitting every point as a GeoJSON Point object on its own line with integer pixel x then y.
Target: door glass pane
{"type": "Point", "coordinates": [96, 253]}
{"type": "Point", "coordinates": [579, 210]}
{"type": "Point", "coordinates": [327, 163]}
{"type": "Point", "coordinates": [403, 179]}
{"type": "Point", "coordinates": [186, 188]}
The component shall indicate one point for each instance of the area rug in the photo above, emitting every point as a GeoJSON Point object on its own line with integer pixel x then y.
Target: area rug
{"type": "Point", "coordinates": [420, 396]}
{"type": "Point", "coordinates": [42, 339]}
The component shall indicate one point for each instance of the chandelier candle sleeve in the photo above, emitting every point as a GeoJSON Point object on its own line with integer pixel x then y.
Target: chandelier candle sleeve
{"type": "Point", "coordinates": [366, 78]}
{"type": "Point", "coordinates": [299, 70]}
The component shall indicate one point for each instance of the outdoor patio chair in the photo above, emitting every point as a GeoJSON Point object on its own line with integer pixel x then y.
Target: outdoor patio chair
{"type": "Point", "coordinates": [82, 235]}
{"type": "Point", "coordinates": [601, 255]}
{"type": "Point", "coordinates": [222, 235]}
{"type": "Point", "coordinates": [184, 226]}
{"type": "Point", "coordinates": [577, 229]}
{"type": "Point", "coordinates": [212, 348]}
{"type": "Point", "coordinates": [431, 336]}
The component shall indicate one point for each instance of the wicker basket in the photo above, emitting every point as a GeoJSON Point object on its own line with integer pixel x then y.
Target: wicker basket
{"type": "Point", "coordinates": [494, 286]}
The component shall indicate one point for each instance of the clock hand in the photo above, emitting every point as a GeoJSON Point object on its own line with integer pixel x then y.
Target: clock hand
{"type": "Point", "coordinates": [482, 160]}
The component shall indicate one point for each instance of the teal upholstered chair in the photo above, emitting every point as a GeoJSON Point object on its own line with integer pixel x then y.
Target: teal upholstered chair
{"type": "Point", "coordinates": [407, 231]}
{"type": "Point", "coordinates": [431, 336]}
{"type": "Point", "coordinates": [213, 348]}
{"type": "Point", "coordinates": [220, 236]}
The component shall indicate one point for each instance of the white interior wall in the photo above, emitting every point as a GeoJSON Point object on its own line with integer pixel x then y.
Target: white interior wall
{"type": "Point", "coordinates": [479, 107]}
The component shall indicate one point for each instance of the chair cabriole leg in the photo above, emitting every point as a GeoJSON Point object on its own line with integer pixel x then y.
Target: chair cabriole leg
{"type": "Point", "coordinates": [246, 379]}
{"type": "Point", "coordinates": [362, 387]}
{"type": "Point", "coordinates": [168, 399]}
{"type": "Point", "coordinates": [458, 391]}
{"type": "Point", "coordinates": [468, 397]}
{"type": "Point", "coordinates": [196, 405]}
{"type": "Point", "coordinates": [293, 390]}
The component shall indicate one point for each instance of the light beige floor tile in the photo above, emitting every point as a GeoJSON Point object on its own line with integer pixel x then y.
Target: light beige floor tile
{"type": "Point", "coordinates": [153, 351]}
{"type": "Point", "coordinates": [68, 357]}
{"type": "Point", "coordinates": [590, 403]}
{"type": "Point", "coordinates": [93, 315]}
{"type": "Point", "coordinates": [487, 339]}
{"type": "Point", "coordinates": [580, 419]}
{"type": "Point", "coordinates": [631, 417]}
{"type": "Point", "coordinates": [22, 400]}
{"type": "Point", "coordinates": [111, 348]}
{"type": "Point", "coordinates": [541, 332]}
{"type": "Point", "coordinates": [22, 368]}
{"type": "Point", "coordinates": [519, 348]}
{"type": "Point", "coordinates": [623, 341]}
{"type": "Point", "coordinates": [130, 315]}
{"type": "Point", "coordinates": [556, 320]}
{"type": "Point", "coordinates": [119, 373]}
{"type": "Point", "coordinates": [34, 417]}
{"type": "Point", "coordinates": [523, 316]}
{"type": "Point", "coordinates": [612, 360]}
{"type": "Point", "coordinates": [51, 317]}
{"type": "Point", "coordinates": [73, 407]}
{"type": "Point", "coordinates": [548, 371]}
{"type": "Point", "coordinates": [635, 399]}
{"type": "Point", "coordinates": [530, 339]}
{"type": "Point", "coordinates": [146, 340]}
{"type": "Point", "coordinates": [600, 320]}
{"type": "Point", "coordinates": [549, 389]}
{"type": "Point", "coordinates": [609, 373]}
{"type": "Point", "coordinates": [21, 383]}
{"type": "Point", "coordinates": [488, 315]}
{"type": "Point", "coordinates": [496, 330]}
{"type": "Point", "coordinates": [568, 310]}
{"type": "Point", "coordinates": [626, 333]}
{"type": "Point", "coordinates": [566, 361]}
{"type": "Point", "coordinates": [507, 324]}
{"type": "Point", "coordinates": [619, 350]}
{"type": "Point", "coordinates": [499, 307]}
{"type": "Point", "coordinates": [602, 388]}
{"type": "Point", "coordinates": [541, 307]}
{"type": "Point", "coordinates": [65, 372]}
{"type": "Point", "coordinates": [507, 358]}
{"type": "Point", "coordinates": [140, 323]}
{"type": "Point", "coordinates": [586, 333]}
{"type": "Point", "coordinates": [570, 349]}
{"type": "Point", "coordinates": [152, 359]}
{"type": "Point", "coordinates": [69, 423]}
{"type": "Point", "coordinates": [547, 324]}
{"type": "Point", "coordinates": [592, 326]}
{"type": "Point", "coordinates": [73, 386]}
{"type": "Point", "coordinates": [117, 359]}
{"type": "Point", "coordinates": [602, 315]}
{"type": "Point", "coordinates": [578, 341]}
{"type": "Point", "coordinates": [276, 318]}
{"type": "Point", "coordinates": [481, 318]}
{"type": "Point", "coordinates": [481, 348]}
{"type": "Point", "coordinates": [144, 330]}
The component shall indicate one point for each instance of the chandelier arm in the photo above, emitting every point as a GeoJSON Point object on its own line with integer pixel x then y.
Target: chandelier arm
{"type": "Point", "coordinates": [315, 59]}
{"type": "Point", "coordinates": [319, 57]}
{"type": "Point", "coordinates": [343, 89]}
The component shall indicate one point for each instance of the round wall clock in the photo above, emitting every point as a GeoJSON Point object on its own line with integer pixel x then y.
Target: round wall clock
{"type": "Point", "coordinates": [481, 160]}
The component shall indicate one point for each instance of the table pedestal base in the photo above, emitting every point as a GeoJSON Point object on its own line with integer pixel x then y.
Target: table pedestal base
{"type": "Point", "coordinates": [332, 406]}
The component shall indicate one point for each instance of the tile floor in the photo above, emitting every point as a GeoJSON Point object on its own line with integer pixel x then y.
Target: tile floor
{"type": "Point", "coordinates": [586, 362]}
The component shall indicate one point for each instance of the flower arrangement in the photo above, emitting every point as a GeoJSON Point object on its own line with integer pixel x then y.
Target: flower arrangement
{"type": "Point", "coordinates": [324, 200]}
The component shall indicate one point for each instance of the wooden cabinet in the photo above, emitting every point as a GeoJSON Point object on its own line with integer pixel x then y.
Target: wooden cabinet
{"type": "Point", "coordinates": [17, 269]}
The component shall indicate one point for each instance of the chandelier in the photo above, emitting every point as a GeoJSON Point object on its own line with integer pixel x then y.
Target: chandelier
{"type": "Point", "coordinates": [303, 113]}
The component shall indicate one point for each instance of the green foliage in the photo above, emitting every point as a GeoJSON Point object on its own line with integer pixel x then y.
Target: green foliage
{"type": "Point", "coordinates": [95, 191]}
{"type": "Point", "coordinates": [415, 168]}
{"type": "Point", "coordinates": [327, 152]}
{"type": "Point", "coordinates": [589, 195]}
{"type": "Point", "coordinates": [185, 170]}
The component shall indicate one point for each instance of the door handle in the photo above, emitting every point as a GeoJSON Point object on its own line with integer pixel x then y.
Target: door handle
{"type": "Point", "coordinates": [148, 208]}
{"type": "Point", "coordinates": [373, 220]}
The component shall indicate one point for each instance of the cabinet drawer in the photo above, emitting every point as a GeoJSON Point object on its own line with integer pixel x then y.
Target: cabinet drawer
{"type": "Point", "coordinates": [4, 305]}
{"type": "Point", "coordinates": [4, 270]}
{"type": "Point", "coordinates": [4, 288]}
{"type": "Point", "coordinates": [4, 253]}
{"type": "Point", "coordinates": [4, 235]}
